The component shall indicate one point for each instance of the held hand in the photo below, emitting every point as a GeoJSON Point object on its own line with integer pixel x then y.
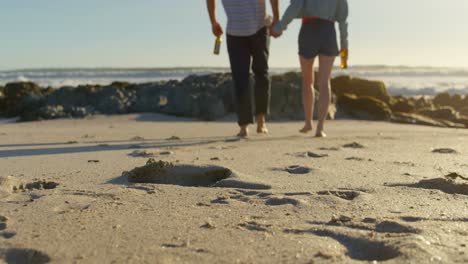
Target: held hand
{"type": "Point", "coordinates": [217, 29]}
{"type": "Point", "coordinates": [275, 35]}
{"type": "Point", "coordinates": [272, 31]}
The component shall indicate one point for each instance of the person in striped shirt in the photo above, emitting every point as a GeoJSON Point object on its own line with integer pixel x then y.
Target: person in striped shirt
{"type": "Point", "coordinates": [248, 40]}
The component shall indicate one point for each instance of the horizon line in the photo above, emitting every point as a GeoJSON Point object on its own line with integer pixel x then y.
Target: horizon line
{"type": "Point", "coordinates": [215, 67]}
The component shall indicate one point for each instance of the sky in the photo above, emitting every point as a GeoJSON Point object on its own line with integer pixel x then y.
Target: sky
{"type": "Point", "coordinates": [177, 33]}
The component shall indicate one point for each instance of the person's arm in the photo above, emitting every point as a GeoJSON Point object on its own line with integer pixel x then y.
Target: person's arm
{"type": "Point", "coordinates": [215, 27]}
{"type": "Point", "coordinates": [342, 19]}
{"type": "Point", "coordinates": [275, 8]}
{"type": "Point", "coordinates": [291, 13]}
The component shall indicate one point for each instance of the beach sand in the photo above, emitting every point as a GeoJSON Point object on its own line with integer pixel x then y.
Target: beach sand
{"type": "Point", "coordinates": [296, 199]}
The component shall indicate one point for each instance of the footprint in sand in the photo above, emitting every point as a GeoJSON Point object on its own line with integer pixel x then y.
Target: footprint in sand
{"type": "Point", "coordinates": [354, 145]}
{"type": "Point", "coordinates": [11, 184]}
{"type": "Point", "coordinates": [360, 248]}
{"type": "Point", "coordinates": [355, 159]}
{"type": "Point", "coordinates": [310, 154]}
{"type": "Point", "coordinates": [148, 154]}
{"type": "Point", "coordinates": [296, 169]}
{"type": "Point", "coordinates": [395, 227]}
{"type": "Point", "coordinates": [220, 200]}
{"type": "Point", "coordinates": [142, 154]}
{"type": "Point", "coordinates": [3, 221]}
{"type": "Point", "coordinates": [7, 235]}
{"type": "Point", "coordinates": [369, 224]}
{"type": "Point", "coordinates": [161, 172]}
{"type": "Point", "coordinates": [445, 151]}
{"type": "Point", "coordinates": [222, 147]}
{"type": "Point", "coordinates": [346, 195]}
{"type": "Point", "coordinates": [23, 255]}
{"type": "Point", "coordinates": [3, 226]}
{"type": "Point", "coordinates": [329, 149]}
{"type": "Point", "coordinates": [275, 201]}
{"type": "Point", "coordinates": [446, 185]}
{"type": "Point", "coordinates": [254, 226]}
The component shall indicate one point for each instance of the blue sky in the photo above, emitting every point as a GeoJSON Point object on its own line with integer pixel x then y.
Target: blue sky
{"type": "Point", "coordinates": [173, 33]}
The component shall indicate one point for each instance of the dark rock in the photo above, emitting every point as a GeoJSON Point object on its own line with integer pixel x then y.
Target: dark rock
{"type": "Point", "coordinates": [464, 110]}
{"type": "Point", "coordinates": [69, 96]}
{"type": "Point", "coordinates": [423, 102]}
{"type": "Point", "coordinates": [348, 85]}
{"type": "Point", "coordinates": [79, 112]}
{"type": "Point", "coordinates": [442, 99]}
{"type": "Point", "coordinates": [442, 113]}
{"type": "Point", "coordinates": [445, 99]}
{"type": "Point", "coordinates": [15, 92]}
{"type": "Point", "coordinates": [2, 106]}
{"type": "Point", "coordinates": [286, 98]}
{"type": "Point", "coordinates": [180, 103]}
{"type": "Point", "coordinates": [462, 120]}
{"type": "Point", "coordinates": [29, 103]}
{"type": "Point", "coordinates": [120, 84]}
{"type": "Point", "coordinates": [452, 124]}
{"type": "Point", "coordinates": [151, 97]}
{"type": "Point", "coordinates": [115, 100]}
{"type": "Point", "coordinates": [367, 108]}
{"type": "Point", "coordinates": [210, 107]}
{"type": "Point", "coordinates": [402, 105]}
{"type": "Point", "coordinates": [457, 101]}
{"type": "Point", "coordinates": [415, 119]}
{"type": "Point", "coordinates": [45, 112]}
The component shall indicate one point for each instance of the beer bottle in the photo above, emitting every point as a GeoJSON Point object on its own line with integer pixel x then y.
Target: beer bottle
{"type": "Point", "coordinates": [344, 58]}
{"type": "Point", "coordinates": [217, 47]}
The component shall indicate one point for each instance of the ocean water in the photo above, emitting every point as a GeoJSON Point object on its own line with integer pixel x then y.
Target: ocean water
{"type": "Point", "coordinates": [399, 80]}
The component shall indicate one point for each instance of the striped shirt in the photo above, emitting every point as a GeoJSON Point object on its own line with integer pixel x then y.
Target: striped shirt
{"type": "Point", "coordinates": [245, 17]}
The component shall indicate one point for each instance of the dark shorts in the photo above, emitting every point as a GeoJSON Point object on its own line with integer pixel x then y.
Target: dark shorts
{"type": "Point", "coordinates": [318, 37]}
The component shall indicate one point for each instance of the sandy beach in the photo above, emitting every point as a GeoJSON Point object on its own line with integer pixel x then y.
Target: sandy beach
{"type": "Point", "coordinates": [371, 191]}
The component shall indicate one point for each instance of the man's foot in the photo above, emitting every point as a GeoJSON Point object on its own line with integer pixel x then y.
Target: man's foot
{"type": "Point", "coordinates": [244, 132]}
{"type": "Point", "coordinates": [320, 134]}
{"type": "Point", "coordinates": [261, 126]}
{"type": "Point", "coordinates": [306, 129]}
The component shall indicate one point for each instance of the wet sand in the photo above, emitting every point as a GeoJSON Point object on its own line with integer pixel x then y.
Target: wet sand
{"type": "Point", "coordinates": [370, 191]}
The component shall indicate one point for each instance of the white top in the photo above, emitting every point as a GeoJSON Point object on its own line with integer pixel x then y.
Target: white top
{"type": "Point", "coordinates": [245, 17]}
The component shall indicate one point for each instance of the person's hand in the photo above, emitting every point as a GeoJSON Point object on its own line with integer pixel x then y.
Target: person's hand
{"type": "Point", "coordinates": [217, 29]}
{"type": "Point", "coordinates": [272, 31]}
{"type": "Point", "coordinates": [275, 34]}
{"type": "Point", "coordinates": [344, 53]}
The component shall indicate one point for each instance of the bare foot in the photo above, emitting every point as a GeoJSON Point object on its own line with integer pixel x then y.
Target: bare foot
{"type": "Point", "coordinates": [306, 129]}
{"type": "Point", "coordinates": [262, 129]}
{"type": "Point", "coordinates": [243, 133]}
{"type": "Point", "coordinates": [320, 134]}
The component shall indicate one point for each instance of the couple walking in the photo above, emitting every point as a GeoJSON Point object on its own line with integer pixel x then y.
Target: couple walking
{"type": "Point", "coordinates": [248, 37]}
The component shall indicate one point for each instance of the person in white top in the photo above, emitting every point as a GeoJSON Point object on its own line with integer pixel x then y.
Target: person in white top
{"type": "Point", "coordinates": [248, 40]}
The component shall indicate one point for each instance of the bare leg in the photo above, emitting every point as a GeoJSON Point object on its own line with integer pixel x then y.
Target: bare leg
{"type": "Point", "coordinates": [325, 69]}
{"type": "Point", "coordinates": [307, 66]}
{"type": "Point", "coordinates": [244, 131]}
{"type": "Point", "coordinates": [261, 124]}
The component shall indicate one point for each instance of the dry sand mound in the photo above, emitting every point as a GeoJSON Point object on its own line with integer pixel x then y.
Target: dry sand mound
{"type": "Point", "coordinates": [160, 172]}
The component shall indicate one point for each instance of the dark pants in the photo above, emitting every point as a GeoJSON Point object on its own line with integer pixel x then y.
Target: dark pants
{"type": "Point", "coordinates": [243, 52]}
